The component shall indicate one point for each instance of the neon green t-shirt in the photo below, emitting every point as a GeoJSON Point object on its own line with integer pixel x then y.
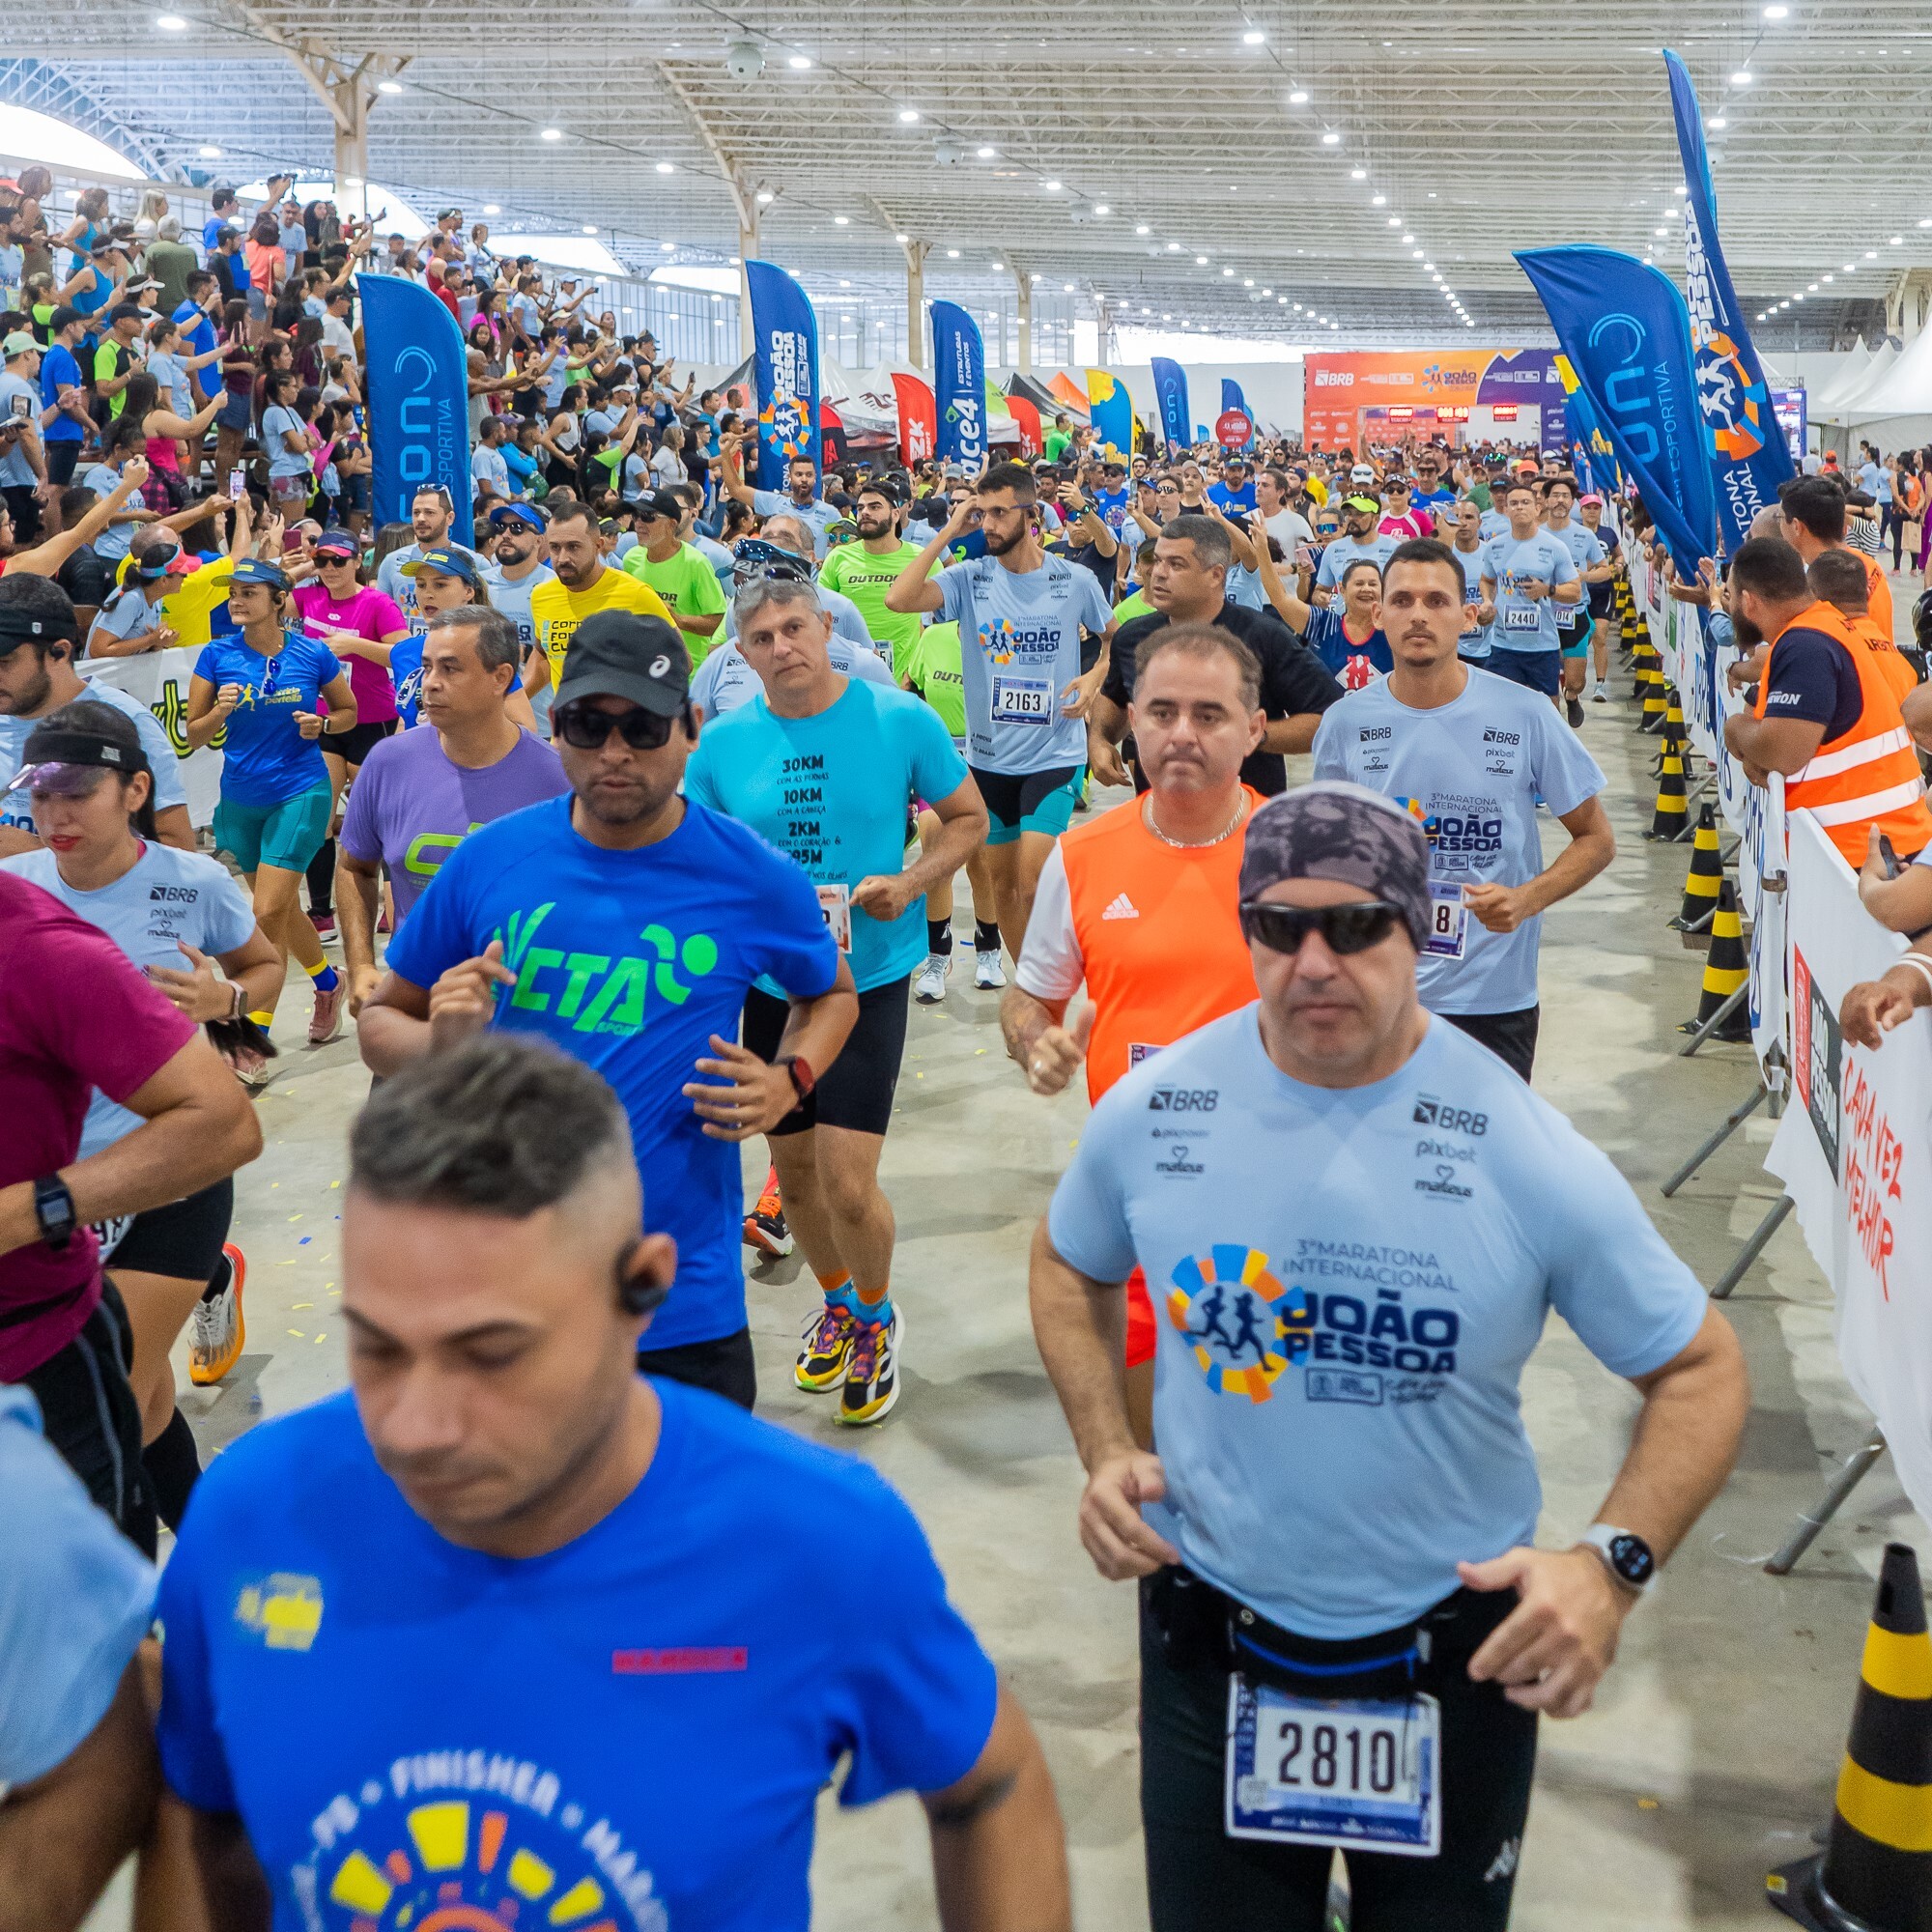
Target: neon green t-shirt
{"type": "Point", "coordinates": [689, 586]}
{"type": "Point", "coordinates": [932, 670]}
{"type": "Point", "coordinates": [858, 574]}
{"type": "Point", "coordinates": [1130, 607]}
{"type": "Point", "coordinates": [1057, 441]}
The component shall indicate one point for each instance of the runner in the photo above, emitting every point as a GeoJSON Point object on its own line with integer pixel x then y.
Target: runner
{"type": "Point", "coordinates": [725, 679]}
{"type": "Point", "coordinates": [1469, 756]}
{"type": "Point", "coordinates": [361, 626]}
{"type": "Point", "coordinates": [821, 766]}
{"type": "Point", "coordinates": [653, 1006]}
{"type": "Point", "coordinates": [1474, 642]}
{"type": "Point", "coordinates": [181, 919]}
{"type": "Point", "coordinates": [1139, 903]}
{"type": "Point", "coordinates": [934, 672]}
{"type": "Point", "coordinates": [536, 1501]}
{"type": "Point", "coordinates": [518, 563]}
{"type": "Point", "coordinates": [38, 640]}
{"type": "Point", "coordinates": [1358, 543]}
{"type": "Point", "coordinates": [1344, 635]}
{"type": "Point", "coordinates": [585, 584]}
{"type": "Point", "coordinates": [1396, 1571]}
{"type": "Point", "coordinates": [682, 578]}
{"type": "Point", "coordinates": [1027, 694]}
{"type": "Point", "coordinates": [1529, 575]}
{"type": "Point", "coordinates": [422, 794]}
{"type": "Point", "coordinates": [865, 570]}
{"type": "Point", "coordinates": [263, 683]}
{"type": "Point", "coordinates": [431, 518]}
{"type": "Point", "coordinates": [78, 1020]}
{"type": "Point", "coordinates": [1400, 517]}
{"type": "Point", "coordinates": [1187, 586]}
{"type": "Point", "coordinates": [800, 497]}
{"type": "Point", "coordinates": [1602, 595]}
{"type": "Point", "coordinates": [1575, 623]}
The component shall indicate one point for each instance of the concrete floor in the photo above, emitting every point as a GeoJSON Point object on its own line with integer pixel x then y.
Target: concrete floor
{"type": "Point", "coordinates": [1716, 1743]}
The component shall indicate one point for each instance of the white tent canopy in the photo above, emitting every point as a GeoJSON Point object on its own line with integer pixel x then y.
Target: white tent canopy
{"type": "Point", "coordinates": [1846, 381]}
{"type": "Point", "coordinates": [1898, 384]}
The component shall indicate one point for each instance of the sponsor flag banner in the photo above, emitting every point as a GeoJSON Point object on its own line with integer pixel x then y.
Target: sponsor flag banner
{"type": "Point", "coordinates": [1169, 386]}
{"type": "Point", "coordinates": [1111, 412]}
{"type": "Point", "coordinates": [919, 419]}
{"type": "Point", "coordinates": [160, 679]}
{"type": "Point", "coordinates": [785, 334]}
{"type": "Point", "coordinates": [1231, 398]}
{"type": "Point", "coordinates": [1748, 455]}
{"type": "Point", "coordinates": [1589, 447]}
{"type": "Point", "coordinates": [1852, 1149]}
{"type": "Point", "coordinates": [959, 386]}
{"type": "Point", "coordinates": [418, 400]}
{"type": "Point", "coordinates": [1624, 328]}
{"type": "Point", "coordinates": [1032, 437]}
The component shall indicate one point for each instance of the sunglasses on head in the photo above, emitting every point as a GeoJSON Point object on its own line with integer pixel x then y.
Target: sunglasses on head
{"type": "Point", "coordinates": [1343, 929]}
{"type": "Point", "coordinates": [586, 730]}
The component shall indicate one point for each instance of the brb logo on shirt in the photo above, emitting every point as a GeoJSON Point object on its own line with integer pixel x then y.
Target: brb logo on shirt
{"type": "Point", "coordinates": [1430, 1111]}
{"type": "Point", "coordinates": [594, 993]}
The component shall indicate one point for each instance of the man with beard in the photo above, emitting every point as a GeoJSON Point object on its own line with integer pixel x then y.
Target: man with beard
{"type": "Point", "coordinates": [865, 570]}
{"type": "Point", "coordinates": [1358, 543]}
{"type": "Point", "coordinates": [585, 584]}
{"type": "Point", "coordinates": [431, 516]}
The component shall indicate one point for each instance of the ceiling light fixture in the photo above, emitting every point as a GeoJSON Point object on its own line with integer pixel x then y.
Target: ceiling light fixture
{"type": "Point", "coordinates": [799, 63]}
{"type": "Point", "coordinates": [1298, 98]}
{"type": "Point", "coordinates": [389, 87]}
{"type": "Point", "coordinates": [1052, 187]}
{"type": "Point", "coordinates": [987, 154]}
{"type": "Point", "coordinates": [907, 116]}
{"type": "Point", "coordinates": [211, 154]}
{"type": "Point", "coordinates": [1358, 174]}
{"type": "Point", "coordinates": [170, 23]}
{"type": "Point", "coordinates": [953, 254]}
{"type": "Point", "coordinates": [667, 167]}
{"type": "Point", "coordinates": [1379, 201]}
{"type": "Point", "coordinates": [556, 134]}
{"type": "Point", "coordinates": [590, 228]}
{"type": "Point", "coordinates": [1143, 229]}
{"type": "Point", "coordinates": [842, 221]}
{"type": "Point", "coordinates": [1331, 139]}
{"type": "Point", "coordinates": [1742, 78]}
{"type": "Point", "coordinates": [1716, 123]}
{"type": "Point", "coordinates": [765, 197]}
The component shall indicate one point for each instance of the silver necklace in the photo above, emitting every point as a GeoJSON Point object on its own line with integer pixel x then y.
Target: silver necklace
{"type": "Point", "coordinates": [1193, 844]}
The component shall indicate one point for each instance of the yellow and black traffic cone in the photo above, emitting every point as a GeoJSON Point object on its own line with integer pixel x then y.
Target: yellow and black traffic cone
{"type": "Point", "coordinates": [1704, 878]}
{"type": "Point", "coordinates": [1656, 702]}
{"type": "Point", "coordinates": [1673, 726]}
{"type": "Point", "coordinates": [1875, 1872]}
{"type": "Point", "coordinates": [1727, 968]}
{"type": "Point", "coordinates": [1672, 815]}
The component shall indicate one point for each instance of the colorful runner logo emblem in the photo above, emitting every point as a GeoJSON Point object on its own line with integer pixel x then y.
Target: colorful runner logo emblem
{"type": "Point", "coordinates": [1241, 1323]}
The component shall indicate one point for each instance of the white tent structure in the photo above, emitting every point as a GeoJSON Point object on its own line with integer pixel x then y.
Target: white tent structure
{"type": "Point", "coordinates": [1893, 407]}
{"type": "Point", "coordinates": [1847, 381]}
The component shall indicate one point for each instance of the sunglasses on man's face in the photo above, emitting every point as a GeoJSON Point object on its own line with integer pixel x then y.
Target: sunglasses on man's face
{"type": "Point", "coordinates": [1343, 929]}
{"type": "Point", "coordinates": [586, 730]}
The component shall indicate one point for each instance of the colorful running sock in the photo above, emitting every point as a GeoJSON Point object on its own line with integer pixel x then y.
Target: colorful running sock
{"type": "Point", "coordinates": [324, 976]}
{"type": "Point", "coordinates": [939, 937]}
{"type": "Point", "coordinates": [837, 1286]}
{"type": "Point", "coordinates": [878, 1310]}
{"type": "Point", "coordinates": [985, 935]}
{"type": "Point", "coordinates": [262, 1020]}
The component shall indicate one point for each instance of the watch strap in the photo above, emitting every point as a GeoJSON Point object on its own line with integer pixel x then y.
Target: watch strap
{"type": "Point", "coordinates": [1604, 1539]}
{"type": "Point", "coordinates": [54, 1211]}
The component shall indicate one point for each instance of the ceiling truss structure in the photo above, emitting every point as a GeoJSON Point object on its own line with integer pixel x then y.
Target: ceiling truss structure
{"type": "Point", "coordinates": [1111, 150]}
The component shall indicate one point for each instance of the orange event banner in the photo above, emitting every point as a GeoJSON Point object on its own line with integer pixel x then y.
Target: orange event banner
{"type": "Point", "coordinates": [1337, 389]}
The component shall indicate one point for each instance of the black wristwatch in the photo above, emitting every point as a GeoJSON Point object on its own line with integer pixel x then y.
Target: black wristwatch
{"type": "Point", "coordinates": [53, 1210]}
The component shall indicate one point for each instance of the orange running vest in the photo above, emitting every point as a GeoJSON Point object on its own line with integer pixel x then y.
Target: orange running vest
{"type": "Point", "coordinates": [1159, 934]}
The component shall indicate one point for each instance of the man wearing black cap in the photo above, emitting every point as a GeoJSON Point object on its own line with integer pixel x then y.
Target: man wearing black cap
{"type": "Point", "coordinates": [677, 570]}
{"type": "Point", "coordinates": [1355, 1655]}
{"type": "Point", "coordinates": [625, 924]}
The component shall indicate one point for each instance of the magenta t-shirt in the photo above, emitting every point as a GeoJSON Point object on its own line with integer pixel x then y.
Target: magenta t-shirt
{"type": "Point", "coordinates": [74, 1015]}
{"type": "Point", "coordinates": [370, 614]}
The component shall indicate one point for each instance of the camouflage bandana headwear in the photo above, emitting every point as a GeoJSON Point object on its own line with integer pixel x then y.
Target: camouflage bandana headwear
{"type": "Point", "coordinates": [1334, 830]}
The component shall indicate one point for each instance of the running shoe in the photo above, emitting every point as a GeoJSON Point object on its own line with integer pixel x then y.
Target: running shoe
{"type": "Point", "coordinates": [825, 1353]}
{"type": "Point", "coordinates": [1602, 693]}
{"type": "Point", "coordinates": [987, 972]}
{"type": "Point", "coordinates": [216, 1329]}
{"type": "Point", "coordinates": [765, 1224]}
{"type": "Point", "coordinates": [1575, 712]}
{"type": "Point", "coordinates": [872, 1376]}
{"type": "Point", "coordinates": [251, 1067]}
{"type": "Point", "coordinates": [326, 1022]}
{"type": "Point", "coordinates": [324, 924]}
{"type": "Point", "coordinates": [930, 985]}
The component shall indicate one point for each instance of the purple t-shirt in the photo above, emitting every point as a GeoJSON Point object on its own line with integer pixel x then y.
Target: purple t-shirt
{"type": "Point", "coordinates": [410, 806]}
{"type": "Point", "coordinates": [371, 614]}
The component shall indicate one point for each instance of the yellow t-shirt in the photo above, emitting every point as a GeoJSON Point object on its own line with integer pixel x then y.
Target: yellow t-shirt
{"type": "Point", "coordinates": [555, 612]}
{"type": "Point", "coordinates": [189, 608]}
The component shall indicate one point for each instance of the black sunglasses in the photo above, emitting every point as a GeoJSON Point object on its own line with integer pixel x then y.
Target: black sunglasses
{"type": "Point", "coordinates": [1343, 929]}
{"type": "Point", "coordinates": [586, 730]}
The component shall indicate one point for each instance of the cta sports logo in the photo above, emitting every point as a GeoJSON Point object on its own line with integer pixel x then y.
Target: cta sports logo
{"type": "Point", "coordinates": [1184, 1099]}
{"type": "Point", "coordinates": [1430, 1111]}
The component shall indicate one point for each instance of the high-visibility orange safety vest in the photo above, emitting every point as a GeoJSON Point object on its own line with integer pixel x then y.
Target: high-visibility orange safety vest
{"type": "Point", "coordinates": [1878, 592]}
{"type": "Point", "coordinates": [1890, 658]}
{"type": "Point", "coordinates": [1160, 935]}
{"type": "Point", "coordinates": [1869, 775]}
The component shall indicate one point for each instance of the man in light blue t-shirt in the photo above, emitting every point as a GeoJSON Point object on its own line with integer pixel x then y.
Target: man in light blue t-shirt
{"type": "Point", "coordinates": [1528, 575]}
{"type": "Point", "coordinates": [1344, 1614]}
{"type": "Point", "coordinates": [799, 499]}
{"type": "Point", "coordinates": [1029, 679]}
{"type": "Point", "coordinates": [823, 766]}
{"type": "Point", "coordinates": [1469, 756]}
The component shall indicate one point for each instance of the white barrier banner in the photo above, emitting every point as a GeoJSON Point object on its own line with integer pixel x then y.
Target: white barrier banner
{"type": "Point", "coordinates": [1696, 667]}
{"type": "Point", "coordinates": [160, 680]}
{"type": "Point", "coordinates": [1854, 1152]}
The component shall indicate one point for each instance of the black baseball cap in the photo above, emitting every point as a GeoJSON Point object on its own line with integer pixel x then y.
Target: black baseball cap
{"type": "Point", "coordinates": [659, 504]}
{"type": "Point", "coordinates": [626, 654]}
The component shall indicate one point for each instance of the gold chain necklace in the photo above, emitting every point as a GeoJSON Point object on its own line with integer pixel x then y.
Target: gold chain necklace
{"type": "Point", "coordinates": [1193, 844]}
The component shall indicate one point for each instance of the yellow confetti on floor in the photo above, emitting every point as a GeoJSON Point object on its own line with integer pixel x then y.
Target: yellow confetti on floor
{"type": "Point", "coordinates": [301, 1304]}
{"type": "Point", "coordinates": [299, 1334]}
{"type": "Point", "coordinates": [322, 1338]}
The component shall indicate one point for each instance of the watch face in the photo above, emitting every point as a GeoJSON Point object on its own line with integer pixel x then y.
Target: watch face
{"type": "Point", "coordinates": [1631, 1559]}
